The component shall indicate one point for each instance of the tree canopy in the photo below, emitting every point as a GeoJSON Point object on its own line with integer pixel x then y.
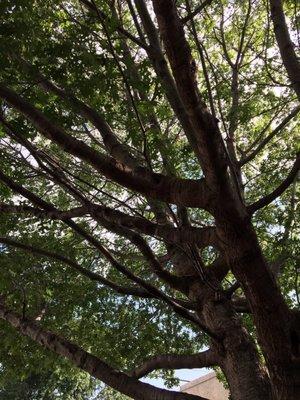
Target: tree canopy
{"type": "Point", "coordinates": [148, 196]}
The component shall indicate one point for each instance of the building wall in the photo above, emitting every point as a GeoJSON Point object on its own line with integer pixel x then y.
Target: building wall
{"type": "Point", "coordinates": [207, 386]}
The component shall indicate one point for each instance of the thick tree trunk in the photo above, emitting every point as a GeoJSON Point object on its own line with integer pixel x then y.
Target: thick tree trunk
{"type": "Point", "coordinates": [237, 355]}
{"type": "Point", "coordinates": [241, 365]}
{"type": "Point", "coordinates": [239, 359]}
{"type": "Point", "coordinates": [238, 240]}
{"type": "Point", "coordinates": [236, 352]}
{"type": "Point", "coordinates": [286, 383]}
{"type": "Point", "coordinates": [271, 315]}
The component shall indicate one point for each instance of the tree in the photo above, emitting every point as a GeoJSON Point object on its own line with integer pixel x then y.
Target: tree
{"type": "Point", "coordinates": [148, 190]}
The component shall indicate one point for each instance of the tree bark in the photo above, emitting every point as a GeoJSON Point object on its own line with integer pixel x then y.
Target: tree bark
{"type": "Point", "coordinates": [237, 354]}
{"type": "Point", "coordinates": [93, 365]}
{"type": "Point", "coordinates": [238, 240]}
{"type": "Point", "coordinates": [285, 44]}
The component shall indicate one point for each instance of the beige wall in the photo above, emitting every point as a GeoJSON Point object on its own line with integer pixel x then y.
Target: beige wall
{"type": "Point", "coordinates": [207, 386]}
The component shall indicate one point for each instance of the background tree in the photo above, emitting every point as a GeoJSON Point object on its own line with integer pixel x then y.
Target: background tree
{"type": "Point", "coordinates": [148, 193]}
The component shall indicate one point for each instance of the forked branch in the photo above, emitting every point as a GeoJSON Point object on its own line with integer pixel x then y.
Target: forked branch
{"type": "Point", "coordinates": [186, 192]}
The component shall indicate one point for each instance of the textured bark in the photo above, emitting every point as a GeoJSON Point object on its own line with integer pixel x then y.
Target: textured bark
{"type": "Point", "coordinates": [94, 366]}
{"type": "Point", "coordinates": [239, 242]}
{"type": "Point", "coordinates": [187, 192]}
{"type": "Point", "coordinates": [203, 237]}
{"type": "Point", "coordinates": [271, 315]}
{"type": "Point", "coordinates": [205, 130]}
{"type": "Point", "coordinates": [286, 46]}
{"type": "Point", "coordinates": [237, 354]}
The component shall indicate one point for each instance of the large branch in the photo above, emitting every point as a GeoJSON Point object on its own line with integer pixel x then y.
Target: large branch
{"type": "Point", "coordinates": [213, 158]}
{"type": "Point", "coordinates": [123, 290]}
{"type": "Point", "coordinates": [207, 358]}
{"type": "Point", "coordinates": [116, 149]}
{"type": "Point", "coordinates": [264, 201]}
{"type": "Point", "coordinates": [207, 234]}
{"type": "Point", "coordinates": [285, 44]}
{"type": "Point", "coordinates": [201, 236]}
{"type": "Point", "coordinates": [90, 5]}
{"type": "Point", "coordinates": [174, 281]}
{"type": "Point", "coordinates": [97, 368]}
{"type": "Point", "coordinates": [186, 192]}
{"type": "Point", "coordinates": [177, 306]}
{"type": "Point", "coordinates": [160, 65]}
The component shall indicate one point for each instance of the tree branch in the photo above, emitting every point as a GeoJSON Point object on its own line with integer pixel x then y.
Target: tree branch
{"type": "Point", "coordinates": [202, 59]}
{"type": "Point", "coordinates": [137, 240]}
{"type": "Point", "coordinates": [93, 365]}
{"type": "Point", "coordinates": [111, 142]}
{"type": "Point", "coordinates": [160, 65]}
{"type": "Point", "coordinates": [264, 201]}
{"type": "Point", "coordinates": [197, 10]}
{"type": "Point", "coordinates": [90, 6]}
{"type": "Point", "coordinates": [201, 236]}
{"type": "Point", "coordinates": [207, 358]}
{"type": "Point", "coordinates": [124, 290]}
{"type": "Point", "coordinates": [285, 44]}
{"type": "Point", "coordinates": [218, 269]}
{"type": "Point", "coordinates": [267, 139]}
{"type": "Point", "coordinates": [209, 143]}
{"type": "Point", "coordinates": [178, 306]}
{"type": "Point", "coordinates": [133, 291]}
{"type": "Point", "coordinates": [187, 192]}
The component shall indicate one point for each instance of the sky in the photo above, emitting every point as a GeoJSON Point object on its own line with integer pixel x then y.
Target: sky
{"type": "Point", "coordinates": [185, 375]}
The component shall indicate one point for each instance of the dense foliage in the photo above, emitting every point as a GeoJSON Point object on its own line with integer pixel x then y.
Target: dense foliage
{"type": "Point", "coordinates": [94, 51]}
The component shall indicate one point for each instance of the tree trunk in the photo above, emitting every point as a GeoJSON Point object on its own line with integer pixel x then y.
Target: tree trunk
{"type": "Point", "coordinates": [271, 315]}
{"type": "Point", "coordinates": [239, 359]}
{"type": "Point", "coordinates": [236, 352]}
